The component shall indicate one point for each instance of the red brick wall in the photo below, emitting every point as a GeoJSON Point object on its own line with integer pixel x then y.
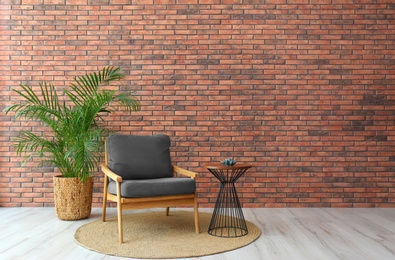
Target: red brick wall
{"type": "Point", "coordinates": [304, 92]}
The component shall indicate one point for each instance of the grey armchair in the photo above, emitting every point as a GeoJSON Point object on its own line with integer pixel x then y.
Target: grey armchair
{"type": "Point", "coordinates": [139, 174]}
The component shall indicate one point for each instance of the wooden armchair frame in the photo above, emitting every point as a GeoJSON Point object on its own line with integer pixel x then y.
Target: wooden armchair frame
{"type": "Point", "coordinates": [146, 202]}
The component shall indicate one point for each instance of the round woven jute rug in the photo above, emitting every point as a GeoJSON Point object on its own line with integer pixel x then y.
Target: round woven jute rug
{"type": "Point", "coordinates": [155, 235]}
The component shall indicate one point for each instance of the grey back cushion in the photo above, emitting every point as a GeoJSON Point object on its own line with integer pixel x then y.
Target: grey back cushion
{"type": "Point", "coordinates": [135, 157]}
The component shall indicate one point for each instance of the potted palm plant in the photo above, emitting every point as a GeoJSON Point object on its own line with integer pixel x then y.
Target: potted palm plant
{"type": "Point", "coordinates": [76, 137]}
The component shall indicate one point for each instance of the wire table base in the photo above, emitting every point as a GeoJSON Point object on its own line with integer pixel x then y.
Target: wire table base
{"type": "Point", "coordinates": [228, 219]}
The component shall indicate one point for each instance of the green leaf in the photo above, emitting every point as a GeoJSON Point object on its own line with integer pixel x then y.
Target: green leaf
{"type": "Point", "coordinates": [75, 141]}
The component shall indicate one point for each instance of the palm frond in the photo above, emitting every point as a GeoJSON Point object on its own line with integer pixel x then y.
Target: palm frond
{"type": "Point", "coordinates": [47, 110]}
{"type": "Point", "coordinates": [33, 145]}
{"type": "Point", "coordinates": [129, 101]}
{"type": "Point", "coordinates": [87, 85]}
{"type": "Point", "coordinates": [76, 140]}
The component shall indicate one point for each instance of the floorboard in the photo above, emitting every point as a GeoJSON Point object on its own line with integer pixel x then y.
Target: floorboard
{"type": "Point", "coordinates": [287, 233]}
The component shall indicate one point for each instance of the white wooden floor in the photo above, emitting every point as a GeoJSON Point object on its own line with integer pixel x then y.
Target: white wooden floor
{"type": "Point", "coordinates": [288, 233]}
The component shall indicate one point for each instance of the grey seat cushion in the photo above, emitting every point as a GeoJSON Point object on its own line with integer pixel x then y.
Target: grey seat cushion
{"type": "Point", "coordinates": [154, 187]}
{"type": "Point", "coordinates": [135, 157]}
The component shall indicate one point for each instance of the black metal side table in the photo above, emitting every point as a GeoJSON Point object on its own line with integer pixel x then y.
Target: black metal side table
{"type": "Point", "coordinates": [228, 219]}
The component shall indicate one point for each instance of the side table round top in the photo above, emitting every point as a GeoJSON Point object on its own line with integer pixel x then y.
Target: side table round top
{"type": "Point", "coordinates": [220, 166]}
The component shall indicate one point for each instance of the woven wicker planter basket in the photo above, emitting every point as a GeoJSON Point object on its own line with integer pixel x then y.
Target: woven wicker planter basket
{"type": "Point", "coordinates": [73, 198]}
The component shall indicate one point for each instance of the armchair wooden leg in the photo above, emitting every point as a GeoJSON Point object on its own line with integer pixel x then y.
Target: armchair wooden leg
{"type": "Point", "coordinates": [167, 211]}
{"type": "Point", "coordinates": [120, 230]}
{"type": "Point", "coordinates": [103, 214]}
{"type": "Point", "coordinates": [119, 212]}
{"type": "Point", "coordinates": [196, 216]}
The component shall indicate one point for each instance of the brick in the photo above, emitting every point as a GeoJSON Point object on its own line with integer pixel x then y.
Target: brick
{"type": "Point", "coordinates": [308, 101]}
{"type": "Point", "coordinates": [76, 2]}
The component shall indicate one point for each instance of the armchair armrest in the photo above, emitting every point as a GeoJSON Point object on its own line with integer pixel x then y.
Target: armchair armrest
{"type": "Point", "coordinates": [185, 172]}
{"type": "Point", "coordinates": [111, 174]}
